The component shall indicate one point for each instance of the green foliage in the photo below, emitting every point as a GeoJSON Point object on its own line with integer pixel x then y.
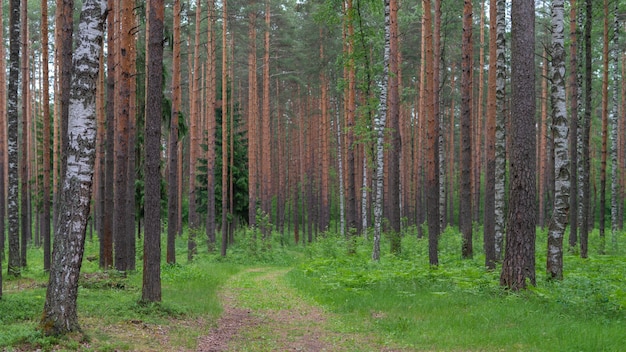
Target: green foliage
{"type": "Point", "coordinates": [458, 304]}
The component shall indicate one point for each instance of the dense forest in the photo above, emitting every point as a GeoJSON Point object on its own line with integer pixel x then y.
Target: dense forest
{"type": "Point", "coordinates": [140, 123]}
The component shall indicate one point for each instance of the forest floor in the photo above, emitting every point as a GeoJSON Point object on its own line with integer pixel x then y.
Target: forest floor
{"type": "Point", "coordinates": [261, 312]}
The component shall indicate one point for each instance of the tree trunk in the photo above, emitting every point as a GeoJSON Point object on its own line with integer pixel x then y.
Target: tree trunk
{"type": "Point", "coordinates": [380, 133]}
{"type": "Point", "coordinates": [46, 141]}
{"type": "Point", "coordinates": [500, 129]}
{"type": "Point", "coordinates": [573, 130]}
{"type": "Point", "coordinates": [465, 202]}
{"type": "Point", "coordinates": [542, 157]}
{"type": "Point", "coordinates": [614, 124]}
{"type": "Point", "coordinates": [351, 201]}
{"type": "Point", "coordinates": [210, 123]}
{"type": "Point", "coordinates": [172, 168]}
{"type": "Point", "coordinates": [519, 261]}
{"type": "Point", "coordinates": [605, 123]}
{"type": "Point", "coordinates": [393, 177]}
{"type": "Point", "coordinates": [266, 133]}
{"type": "Point", "coordinates": [151, 288]}
{"type": "Point", "coordinates": [13, 265]}
{"type": "Point", "coordinates": [3, 150]}
{"type": "Point", "coordinates": [585, 135]}
{"type": "Point", "coordinates": [432, 141]}
{"type": "Point", "coordinates": [25, 142]}
{"type": "Point", "coordinates": [560, 129]}
{"type": "Point", "coordinates": [59, 314]}
{"type": "Point", "coordinates": [490, 146]}
{"type": "Point", "coordinates": [224, 130]}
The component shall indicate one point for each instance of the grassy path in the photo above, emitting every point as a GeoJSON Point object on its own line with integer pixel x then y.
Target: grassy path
{"type": "Point", "coordinates": [263, 313]}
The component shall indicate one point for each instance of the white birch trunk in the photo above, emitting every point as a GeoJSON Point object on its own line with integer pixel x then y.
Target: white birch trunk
{"type": "Point", "coordinates": [342, 191]}
{"type": "Point", "coordinates": [59, 315]}
{"type": "Point", "coordinates": [560, 130]}
{"type": "Point", "coordinates": [500, 176]}
{"type": "Point", "coordinates": [379, 125]}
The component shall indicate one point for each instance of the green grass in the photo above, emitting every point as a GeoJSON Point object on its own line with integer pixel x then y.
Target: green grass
{"type": "Point", "coordinates": [401, 299]}
{"type": "Point", "coordinates": [109, 307]}
{"type": "Point", "coordinates": [460, 306]}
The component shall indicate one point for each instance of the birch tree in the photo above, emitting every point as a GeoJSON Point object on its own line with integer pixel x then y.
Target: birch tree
{"type": "Point", "coordinates": [13, 265]}
{"type": "Point", "coordinates": [499, 206]}
{"type": "Point", "coordinates": [59, 314]}
{"type": "Point", "coordinates": [379, 124]}
{"type": "Point", "coordinates": [560, 131]}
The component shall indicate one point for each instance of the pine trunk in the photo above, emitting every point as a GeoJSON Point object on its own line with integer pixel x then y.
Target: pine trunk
{"type": "Point", "coordinates": [490, 146]}
{"type": "Point", "coordinates": [173, 142]}
{"type": "Point", "coordinates": [46, 141]}
{"type": "Point", "coordinates": [393, 177]}
{"type": "Point", "coordinates": [585, 134]}
{"type": "Point", "coordinates": [224, 130]}
{"type": "Point", "coordinates": [518, 268]}
{"type": "Point", "coordinates": [25, 151]}
{"type": "Point", "coordinates": [210, 127]}
{"type": "Point", "coordinates": [465, 202]}
{"type": "Point", "coordinates": [605, 123]}
{"type": "Point", "coordinates": [614, 124]}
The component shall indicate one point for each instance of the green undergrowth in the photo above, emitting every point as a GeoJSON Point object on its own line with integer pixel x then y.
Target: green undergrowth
{"type": "Point", "coordinates": [459, 305]}
{"type": "Point", "coordinates": [110, 312]}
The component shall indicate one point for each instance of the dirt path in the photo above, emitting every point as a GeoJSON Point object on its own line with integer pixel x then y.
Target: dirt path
{"type": "Point", "coordinates": [263, 313]}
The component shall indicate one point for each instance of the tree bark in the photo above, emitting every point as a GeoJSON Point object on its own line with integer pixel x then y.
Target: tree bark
{"type": "Point", "coordinates": [393, 177]}
{"type": "Point", "coordinates": [224, 130]}
{"type": "Point", "coordinates": [465, 202]}
{"type": "Point", "coordinates": [518, 268]}
{"type": "Point", "coordinates": [172, 167]}
{"type": "Point", "coordinates": [490, 146]}
{"type": "Point", "coordinates": [585, 134]}
{"type": "Point", "coordinates": [380, 133]}
{"type": "Point", "coordinates": [151, 288]}
{"type": "Point", "coordinates": [500, 129]}
{"type": "Point", "coordinates": [25, 219]}
{"type": "Point", "coordinates": [613, 121]}
{"type": "Point", "coordinates": [573, 130]}
{"type": "Point", "coordinates": [560, 129]}
{"type": "Point", "coordinates": [59, 314]}
{"type": "Point", "coordinates": [13, 265]}
{"type": "Point", "coordinates": [432, 141]}
{"type": "Point", "coordinates": [210, 126]}
{"type": "Point", "coordinates": [605, 124]}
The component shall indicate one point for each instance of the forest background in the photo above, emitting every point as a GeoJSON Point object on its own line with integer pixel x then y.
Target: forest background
{"type": "Point", "coordinates": [271, 119]}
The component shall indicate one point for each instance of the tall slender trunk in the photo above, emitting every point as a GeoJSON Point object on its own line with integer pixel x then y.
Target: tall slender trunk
{"type": "Point", "coordinates": [109, 176]}
{"type": "Point", "coordinates": [351, 201]}
{"type": "Point", "coordinates": [500, 129]}
{"type": "Point", "coordinates": [211, 126]}
{"type": "Point", "coordinates": [46, 140]}
{"type": "Point", "coordinates": [542, 143]}
{"type": "Point", "coordinates": [465, 202]}
{"type": "Point", "coordinates": [25, 143]}
{"type": "Point", "coordinates": [490, 146]}
{"type": "Point", "coordinates": [224, 129]}
{"type": "Point", "coordinates": [573, 129]}
{"type": "Point", "coordinates": [3, 153]}
{"type": "Point", "coordinates": [614, 124]}
{"type": "Point", "coordinates": [605, 123]}
{"type": "Point", "coordinates": [14, 263]}
{"type": "Point", "coordinates": [172, 167]}
{"type": "Point", "coordinates": [585, 133]}
{"type": "Point", "coordinates": [253, 128]}
{"type": "Point", "coordinates": [266, 133]}
{"type": "Point", "coordinates": [194, 137]}
{"type": "Point", "coordinates": [560, 130]}
{"type": "Point", "coordinates": [393, 177]}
